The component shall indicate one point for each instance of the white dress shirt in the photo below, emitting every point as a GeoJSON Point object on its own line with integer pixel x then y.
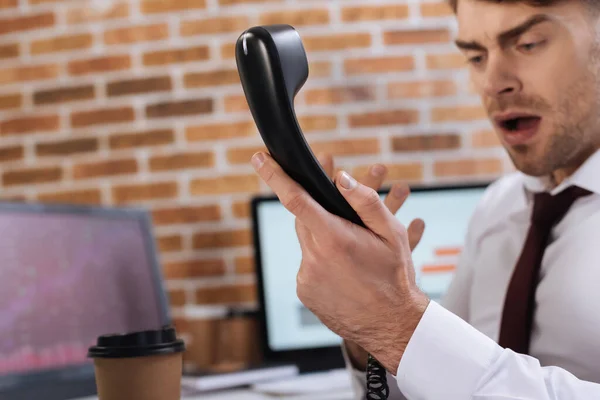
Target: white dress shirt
{"type": "Point", "coordinates": [454, 355]}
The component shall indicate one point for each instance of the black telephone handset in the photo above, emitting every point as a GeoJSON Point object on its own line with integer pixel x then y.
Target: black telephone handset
{"type": "Point", "coordinates": [273, 67]}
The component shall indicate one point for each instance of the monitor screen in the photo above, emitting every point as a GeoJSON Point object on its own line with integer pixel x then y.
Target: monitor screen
{"type": "Point", "coordinates": [289, 325]}
{"type": "Point", "coordinates": [68, 277]}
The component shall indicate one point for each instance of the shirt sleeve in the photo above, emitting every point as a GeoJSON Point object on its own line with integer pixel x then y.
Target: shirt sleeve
{"type": "Point", "coordinates": [359, 381]}
{"type": "Point", "coordinates": [447, 358]}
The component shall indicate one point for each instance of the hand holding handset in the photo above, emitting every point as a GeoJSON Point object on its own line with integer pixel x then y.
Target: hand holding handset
{"type": "Point", "coordinates": [273, 67]}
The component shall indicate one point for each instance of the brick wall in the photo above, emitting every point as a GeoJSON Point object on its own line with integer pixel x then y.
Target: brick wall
{"type": "Point", "coordinates": [138, 103]}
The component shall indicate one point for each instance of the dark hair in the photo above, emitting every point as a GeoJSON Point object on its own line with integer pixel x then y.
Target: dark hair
{"type": "Point", "coordinates": [592, 4]}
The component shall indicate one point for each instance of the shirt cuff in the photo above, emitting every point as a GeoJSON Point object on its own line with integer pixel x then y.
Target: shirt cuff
{"type": "Point", "coordinates": [358, 378]}
{"type": "Point", "coordinates": [445, 358]}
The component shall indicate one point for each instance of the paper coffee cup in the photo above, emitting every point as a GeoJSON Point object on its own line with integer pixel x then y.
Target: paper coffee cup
{"type": "Point", "coordinates": [143, 365]}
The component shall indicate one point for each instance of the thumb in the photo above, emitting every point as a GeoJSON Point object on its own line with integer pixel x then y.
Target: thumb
{"type": "Point", "coordinates": [367, 204]}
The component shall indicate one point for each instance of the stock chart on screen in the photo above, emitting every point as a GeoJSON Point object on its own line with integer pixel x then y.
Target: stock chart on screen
{"type": "Point", "coordinates": [67, 279]}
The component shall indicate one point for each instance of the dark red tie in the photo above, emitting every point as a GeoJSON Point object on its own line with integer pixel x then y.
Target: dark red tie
{"type": "Point", "coordinates": [517, 316]}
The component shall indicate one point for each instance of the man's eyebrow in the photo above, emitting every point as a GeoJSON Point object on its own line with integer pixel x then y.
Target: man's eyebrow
{"type": "Point", "coordinates": [507, 35]}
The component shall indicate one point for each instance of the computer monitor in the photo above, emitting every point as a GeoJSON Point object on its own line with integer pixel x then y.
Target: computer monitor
{"type": "Point", "coordinates": [290, 332]}
{"type": "Point", "coordinates": [69, 274]}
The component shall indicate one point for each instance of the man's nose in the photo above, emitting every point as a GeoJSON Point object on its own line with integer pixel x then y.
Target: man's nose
{"type": "Point", "coordinates": [500, 78]}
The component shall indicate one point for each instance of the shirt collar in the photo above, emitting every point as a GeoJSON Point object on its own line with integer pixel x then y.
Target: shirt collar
{"type": "Point", "coordinates": [586, 177]}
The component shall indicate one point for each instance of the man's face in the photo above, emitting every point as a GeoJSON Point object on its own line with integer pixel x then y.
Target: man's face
{"type": "Point", "coordinates": [536, 70]}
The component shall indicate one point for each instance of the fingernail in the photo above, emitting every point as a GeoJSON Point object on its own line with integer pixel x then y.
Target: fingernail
{"type": "Point", "coordinates": [347, 182]}
{"type": "Point", "coordinates": [258, 160]}
{"type": "Point", "coordinates": [400, 191]}
{"type": "Point", "coordinates": [377, 170]}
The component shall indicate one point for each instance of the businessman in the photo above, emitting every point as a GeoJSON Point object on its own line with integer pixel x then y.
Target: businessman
{"type": "Point", "coordinates": [520, 320]}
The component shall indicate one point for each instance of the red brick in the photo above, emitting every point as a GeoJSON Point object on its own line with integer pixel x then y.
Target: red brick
{"type": "Point", "coordinates": [161, 6]}
{"type": "Point", "coordinates": [67, 147]}
{"type": "Point", "coordinates": [28, 73]}
{"type": "Point", "coordinates": [404, 172]}
{"type": "Point", "coordinates": [378, 65]}
{"type": "Point", "coordinates": [31, 176]}
{"type": "Point", "coordinates": [421, 36]}
{"type": "Point", "coordinates": [194, 269]}
{"type": "Point", "coordinates": [383, 118]}
{"type": "Point", "coordinates": [9, 3]}
{"type": "Point", "coordinates": [338, 95]}
{"type": "Point", "coordinates": [215, 25]}
{"type": "Point", "coordinates": [225, 184]}
{"type": "Point", "coordinates": [244, 265]}
{"type": "Point", "coordinates": [337, 41]}
{"type": "Point", "coordinates": [186, 214]}
{"type": "Point", "coordinates": [30, 124]}
{"type": "Point", "coordinates": [446, 61]}
{"type": "Point", "coordinates": [467, 167]}
{"type": "Point", "coordinates": [176, 297]}
{"type": "Point", "coordinates": [183, 160]}
{"type": "Point", "coordinates": [27, 23]}
{"type": "Point", "coordinates": [241, 209]}
{"type": "Point", "coordinates": [102, 116]}
{"type": "Point", "coordinates": [11, 153]}
{"type": "Point", "coordinates": [296, 17]}
{"type": "Point", "coordinates": [105, 168]}
{"type": "Point", "coordinates": [62, 43]}
{"type": "Point", "coordinates": [63, 94]}
{"type": "Point", "coordinates": [211, 78]}
{"type": "Point", "coordinates": [232, 294]}
{"type": "Point", "coordinates": [133, 193]}
{"type": "Point", "coordinates": [240, 2]}
{"type": "Point", "coordinates": [458, 113]}
{"type": "Point", "coordinates": [425, 142]}
{"type": "Point", "coordinates": [236, 103]}
{"type": "Point", "coordinates": [373, 13]}
{"type": "Point", "coordinates": [438, 9]}
{"type": "Point", "coordinates": [99, 64]}
{"type": "Point", "coordinates": [9, 51]}
{"type": "Point", "coordinates": [139, 86]}
{"type": "Point", "coordinates": [135, 34]}
{"type": "Point", "coordinates": [217, 240]}
{"type": "Point", "coordinates": [179, 108]}
{"type": "Point", "coordinates": [84, 15]}
{"type": "Point", "coordinates": [220, 131]}
{"type": "Point", "coordinates": [173, 56]}
{"type": "Point", "coordinates": [85, 196]}
{"type": "Point", "coordinates": [420, 89]}
{"type": "Point", "coordinates": [10, 101]}
{"type": "Point", "coordinates": [485, 139]}
{"type": "Point", "coordinates": [150, 138]}
{"type": "Point", "coordinates": [169, 243]}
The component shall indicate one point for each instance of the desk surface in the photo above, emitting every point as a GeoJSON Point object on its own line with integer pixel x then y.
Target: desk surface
{"type": "Point", "coordinates": [250, 395]}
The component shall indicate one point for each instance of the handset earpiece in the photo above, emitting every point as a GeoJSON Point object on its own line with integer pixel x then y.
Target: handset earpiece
{"type": "Point", "coordinates": [273, 67]}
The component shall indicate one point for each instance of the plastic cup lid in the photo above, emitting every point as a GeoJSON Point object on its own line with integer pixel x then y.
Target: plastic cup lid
{"type": "Point", "coordinates": [137, 344]}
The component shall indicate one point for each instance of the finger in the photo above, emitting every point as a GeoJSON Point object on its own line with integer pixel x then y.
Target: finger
{"type": "Point", "coordinates": [326, 161]}
{"type": "Point", "coordinates": [375, 176]}
{"type": "Point", "coordinates": [396, 197]}
{"type": "Point", "coordinates": [304, 235]}
{"type": "Point", "coordinates": [367, 204]}
{"type": "Point", "coordinates": [293, 196]}
{"type": "Point", "coordinates": [415, 232]}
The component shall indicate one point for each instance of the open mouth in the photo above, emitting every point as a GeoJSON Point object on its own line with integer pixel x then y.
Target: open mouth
{"type": "Point", "coordinates": [521, 123]}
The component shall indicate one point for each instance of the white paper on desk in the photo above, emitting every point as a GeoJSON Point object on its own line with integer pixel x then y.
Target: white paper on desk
{"type": "Point", "coordinates": [337, 380]}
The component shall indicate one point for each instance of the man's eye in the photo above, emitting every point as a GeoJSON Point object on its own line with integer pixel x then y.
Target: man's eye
{"type": "Point", "coordinates": [530, 46]}
{"type": "Point", "coordinates": [476, 60]}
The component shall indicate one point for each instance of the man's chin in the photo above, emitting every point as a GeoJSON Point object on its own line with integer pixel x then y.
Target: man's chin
{"type": "Point", "coordinates": [527, 162]}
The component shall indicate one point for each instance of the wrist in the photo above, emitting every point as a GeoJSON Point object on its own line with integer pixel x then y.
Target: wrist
{"type": "Point", "coordinates": [388, 340]}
